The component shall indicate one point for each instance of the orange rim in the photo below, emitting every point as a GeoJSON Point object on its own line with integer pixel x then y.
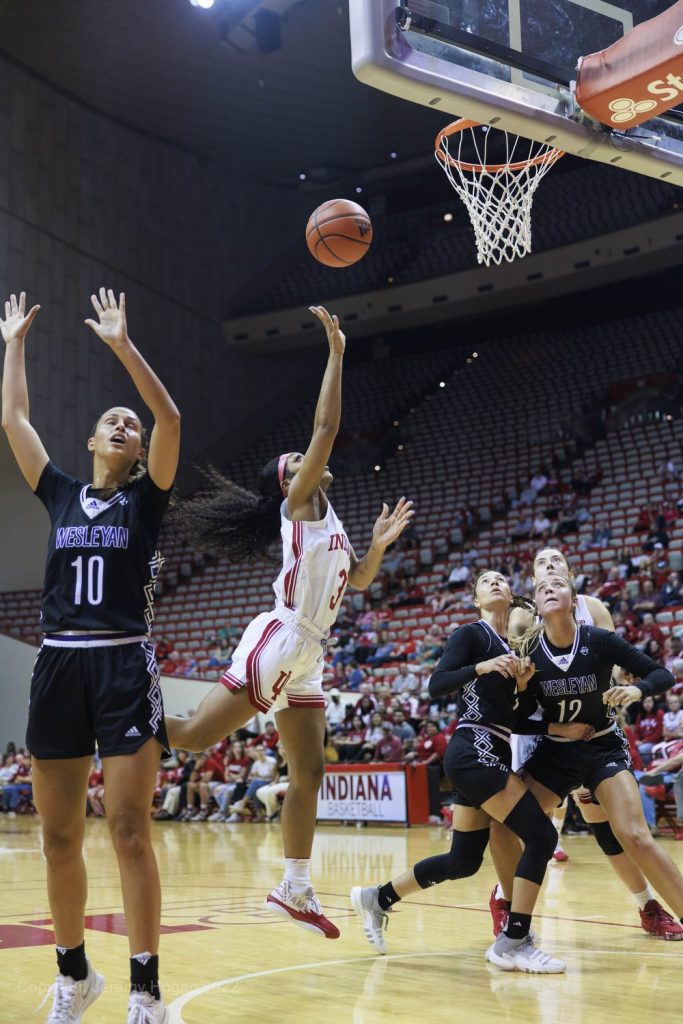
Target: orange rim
{"type": "Point", "coordinates": [462, 125]}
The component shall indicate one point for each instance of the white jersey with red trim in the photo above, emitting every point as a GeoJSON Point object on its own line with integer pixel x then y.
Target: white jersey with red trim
{"type": "Point", "coordinates": [583, 615]}
{"type": "Point", "coordinates": [316, 558]}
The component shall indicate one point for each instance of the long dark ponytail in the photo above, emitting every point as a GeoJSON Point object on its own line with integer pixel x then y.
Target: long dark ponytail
{"type": "Point", "coordinates": [230, 521]}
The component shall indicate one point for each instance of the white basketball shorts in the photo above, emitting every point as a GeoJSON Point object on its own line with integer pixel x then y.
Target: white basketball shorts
{"type": "Point", "coordinates": [280, 663]}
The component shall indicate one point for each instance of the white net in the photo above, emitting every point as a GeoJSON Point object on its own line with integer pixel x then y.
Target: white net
{"type": "Point", "coordinates": [499, 191]}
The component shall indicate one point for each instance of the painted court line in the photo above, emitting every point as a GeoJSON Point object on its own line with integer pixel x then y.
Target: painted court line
{"type": "Point", "coordinates": [176, 1007]}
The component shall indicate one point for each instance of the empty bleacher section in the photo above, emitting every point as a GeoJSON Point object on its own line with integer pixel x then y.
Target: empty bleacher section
{"type": "Point", "coordinates": [518, 404]}
{"type": "Point", "coordinates": [417, 244]}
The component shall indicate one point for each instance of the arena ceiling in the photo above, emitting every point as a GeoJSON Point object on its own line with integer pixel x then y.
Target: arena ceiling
{"type": "Point", "coordinates": [161, 66]}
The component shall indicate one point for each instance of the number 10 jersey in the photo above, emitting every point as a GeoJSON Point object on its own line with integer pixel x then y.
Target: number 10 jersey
{"type": "Point", "coordinates": [102, 560]}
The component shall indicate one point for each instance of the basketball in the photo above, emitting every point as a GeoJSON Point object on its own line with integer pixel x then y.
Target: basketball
{"type": "Point", "coordinates": [339, 233]}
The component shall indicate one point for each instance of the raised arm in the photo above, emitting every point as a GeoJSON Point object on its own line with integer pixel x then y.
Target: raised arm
{"type": "Point", "coordinates": [164, 444]}
{"type": "Point", "coordinates": [327, 418]}
{"type": "Point", "coordinates": [387, 530]}
{"type": "Point", "coordinates": [23, 439]}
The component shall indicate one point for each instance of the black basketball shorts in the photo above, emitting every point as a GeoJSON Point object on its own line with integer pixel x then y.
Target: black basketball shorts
{"type": "Point", "coordinates": [564, 767]}
{"type": "Point", "coordinates": [94, 688]}
{"type": "Point", "coordinates": [477, 763]}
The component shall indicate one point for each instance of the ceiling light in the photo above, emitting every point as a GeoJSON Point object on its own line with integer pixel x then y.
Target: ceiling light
{"type": "Point", "coordinates": [448, 217]}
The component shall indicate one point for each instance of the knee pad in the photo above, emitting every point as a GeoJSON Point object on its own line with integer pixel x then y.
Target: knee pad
{"type": "Point", "coordinates": [528, 821]}
{"type": "Point", "coordinates": [605, 838]}
{"type": "Point", "coordinates": [463, 860]}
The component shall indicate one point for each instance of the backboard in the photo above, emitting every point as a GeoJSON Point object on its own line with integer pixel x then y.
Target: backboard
{"type": "Point", "coordinates": [509, 63]}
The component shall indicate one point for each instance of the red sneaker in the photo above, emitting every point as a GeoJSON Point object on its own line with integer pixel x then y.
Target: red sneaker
{"type": "Point", "coordinates": [560, 854]}
{"type": "Point", "coordinates": [301, 907]}
{"type": "Point", "coordinates": [500, 909]}
{"type": "Point", "coordinates": [655, 920]}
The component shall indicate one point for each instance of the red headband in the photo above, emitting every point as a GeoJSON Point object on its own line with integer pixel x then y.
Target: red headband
{"type": "Point", "coordinates": [282, 466]}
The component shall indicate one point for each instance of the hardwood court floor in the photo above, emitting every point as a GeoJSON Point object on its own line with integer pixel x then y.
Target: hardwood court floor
{"type": "Point", "coordinates": [225, 958]}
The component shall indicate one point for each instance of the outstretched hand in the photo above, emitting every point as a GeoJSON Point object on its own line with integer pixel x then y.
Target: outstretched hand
{"type": "Point", "coordinates": [335, 337]}
{"type": "Point", "coordinates": [112, 327]}
{"type": "Point", "coordinates": [389, 528]}
{"type": "Point", "coordinates": [17, 321]}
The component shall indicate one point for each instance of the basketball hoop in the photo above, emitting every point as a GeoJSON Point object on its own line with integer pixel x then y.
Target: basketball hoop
{"type": "Point", "coordinates": [498, 196]}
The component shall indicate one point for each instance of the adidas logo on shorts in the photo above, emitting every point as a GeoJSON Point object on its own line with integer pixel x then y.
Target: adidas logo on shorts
{"type": "Point", "coordinates": [133, 731]}
{"type": "Point", "coordinates": [611, 764]}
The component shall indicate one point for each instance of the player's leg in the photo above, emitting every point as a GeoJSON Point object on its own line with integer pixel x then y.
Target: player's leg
{"type": "Point", "coordinates": [559, 814]}
{"type": "Point", "coordinates": [59, 793]}
{"type": "Point", "coordinates": [619, 797]}
{"type": "Point", "coordinates": [262, 656]}
{"type": "Point", "coordinates": [302, 734]}
{"type": "Point", "coordinates": [129, 781]}
{"type": "Point", "coordinates": [505, 850]}
{"type": "Point", "coordinates": [469, 838]}
{"type": "Point", "coordinates": [654, 919]}
{"type": "Point", "coordinates": [221, 712]}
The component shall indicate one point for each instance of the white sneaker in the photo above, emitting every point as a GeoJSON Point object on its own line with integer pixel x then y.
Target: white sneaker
{"type": "Point", "coordinates": [301, 907]}
{"type": "Point", "coordinates": [72, 998]}
{"type": "Point", "coordinates": [375, 920]}
{"type": "Point", "coordinates": [143, 1008]}
{"type": "Point", "coordinates": [217, 816]}
{"type": "Point", "coordinates": [234, 819]}
{"type": "Point", "coordinates": [522, 955]}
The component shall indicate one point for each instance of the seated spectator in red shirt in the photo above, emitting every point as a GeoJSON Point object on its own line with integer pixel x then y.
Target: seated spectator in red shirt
{"type": "Point", "coordinates": [209, 768]}
{"type": "Point", "coordinates": [611, 586]}
{"type": "Point", "coordinates": [430, 747]}
{"type": "Point", "coordinates": [389, 747]}
{"type": "Point", "coordinates": [429, 751]}
{"type": "Point", "coordinates": [648, 728]}
{"type": "Point", "coordinates": [649, 630]}
{"type": "Point", "coordinates": [629, 621]}
{"type": "Point", "coordinates": [642, 523]}
{"type": "Point", "coordinates": [270, 738]}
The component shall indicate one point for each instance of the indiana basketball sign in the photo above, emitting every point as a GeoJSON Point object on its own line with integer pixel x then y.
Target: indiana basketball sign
{"type": "Point", "coordinates": [363, 795]}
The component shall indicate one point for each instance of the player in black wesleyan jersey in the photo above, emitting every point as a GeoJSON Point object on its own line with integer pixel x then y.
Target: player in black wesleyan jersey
{"type": "Point", "coordinates": [572, 681]}
{"type": "Point", "coordinates": [95, 678]}
{"type": "Point", "coordinates": [479, 666]}
{"type": "Point", "coordinates": [654, 919]}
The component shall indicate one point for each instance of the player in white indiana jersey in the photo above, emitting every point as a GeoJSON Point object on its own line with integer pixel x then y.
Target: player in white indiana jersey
{"type": "Point", "coordinates": [654, 919]}
{"type": "Point", "coordinates": [278, 663]}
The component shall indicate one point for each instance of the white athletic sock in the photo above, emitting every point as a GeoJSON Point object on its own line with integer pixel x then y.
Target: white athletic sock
{"type": "Point", "coordinates": [643, 897]}
{"type": "Point", "coordinates": [500, 895]}
{"type": "Point", "coordinates": [298, 873]}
